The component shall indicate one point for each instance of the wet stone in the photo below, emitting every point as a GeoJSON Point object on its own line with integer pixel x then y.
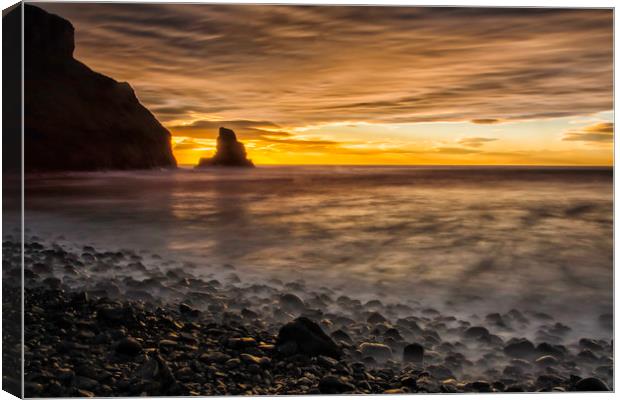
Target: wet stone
{"type": "Point", "coordinates": [414, 353]}
{"type": "Point", "coordinates": [291, 303]}
{"type": "Point", "coordinates": [440, 372]}
{"type": "Point", "coordinates": [590, 345]}
{"type": "Point", "coordinates": [83, 382]}
{"type": "Point", "coordinates": [251, 359]}
{"type": "Point", "coordinates": [476, 332]}
{"type": "Point", "coordinates": [128, 346]}
{"type": "Point", "coordinates": [394, 334]}
{"type": "Point", "coordinates": [587, 356]}
{"type": "Point", "coordinates": [376, 318]}
{"type": "Point", "coordinates": [327, 362]}
{"type": "Point", "coordinates": [214, 357]}
{"type": "Point", "coordinates": [240, 343]}
{"type": "Point", "coordinates": [168, 344]}
{"type": "Point", "coordinates": [342, 336]}
{"type": "Point", "coordinates": [481, 386]}
{"type": "Point", "coordinates": [332, 384]}
{"type": "Point", "coordinates": [188, 310]}
{"type": "Point", "coordinates": [377, 351]}
{"type": "Point", "coordinates": [546, 361]}
{"type": "Point", "coordinates": [553, 350]}
{"type": "Point", "coordinates": [520, 348]}
{"type": "Point", "coordinates": [306, 337]}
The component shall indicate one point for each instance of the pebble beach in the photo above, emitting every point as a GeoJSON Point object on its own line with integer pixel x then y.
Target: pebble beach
{"type": "Point", "coordinates": [123, 323]}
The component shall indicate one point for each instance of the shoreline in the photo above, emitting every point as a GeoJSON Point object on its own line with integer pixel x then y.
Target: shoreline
{"type": "Point", "coordinates": [114, 336]}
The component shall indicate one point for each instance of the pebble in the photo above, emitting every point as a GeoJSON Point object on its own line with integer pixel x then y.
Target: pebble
{"type": "Point", "coordinates": [414, 353]}
{"type": "Point", "coordinates": [440, 372]}
{"type": "Point", "coordinates": [342, 336]}
{"type": "Point", "coordinates": [291, 303]}
{"type": "Point", "coordinates": [375, 318]}
{"type": "Point", "coordinates": [546, 361]}
{"type": "Point", "coordinates": [239, 343]}
{"type": "Point", "coordinates": [476, 332]}
{"type": "Point", "coordinates": [249, 358]}
{"type": "Point", "coordinates": [591, 385]}
{"type": "Point", "coordinates": [306, 337]}
{"type": "Point", "coordinates": [520, 348]}
{"type": "Point", "coordinates": [128, 346]}
{"type": "Point", "coordinates": [481, 386]}
{"type": "Point", "coordinates": [590, 345]}
{"type": "Point", "coordinates": [331, 384]}
{"type": "Point", "coordinates": [377, 351]}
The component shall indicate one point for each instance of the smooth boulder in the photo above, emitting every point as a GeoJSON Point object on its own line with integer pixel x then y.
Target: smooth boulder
{"type": "Point", "coordinates": [591, 385]}
{"type": "Point", "coordinates": [520, 348]}
{"type": "Point", "coordinates": [291, 303]}
{"type": "Point", "coordinates": [128, 346]}
{"type": "Point", "coordinates": [303, 336]}
{"type": "Point", "coordinates": [331, 384]}
{"type": "Point", "coordinates": [414, 353]}
{"type": "Point", "coordinates": [378, 351]}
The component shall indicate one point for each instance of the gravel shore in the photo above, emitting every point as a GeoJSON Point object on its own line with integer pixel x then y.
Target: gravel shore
{"type": "Point", "coordinates": [122, 323]}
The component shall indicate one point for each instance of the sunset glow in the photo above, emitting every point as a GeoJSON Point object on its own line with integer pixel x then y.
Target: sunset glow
{"type": "Point", "coordinates": [364, 85]}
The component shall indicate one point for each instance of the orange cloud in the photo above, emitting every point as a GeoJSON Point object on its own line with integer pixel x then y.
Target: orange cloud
{"type": "Point", "coordinates": [304, 65]}
{"type": "Point", "coordinates": [602, 132]}
{"type": "Point", "coordinates": [485, 121]}
{"type": "Point", "coordinates": [475, 141]}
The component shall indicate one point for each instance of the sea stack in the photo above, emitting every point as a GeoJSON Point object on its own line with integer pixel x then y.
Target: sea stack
{"type": "Point", "coordinates": [230, 152]}
{"type": "Point", "coordinates": [75, 118]}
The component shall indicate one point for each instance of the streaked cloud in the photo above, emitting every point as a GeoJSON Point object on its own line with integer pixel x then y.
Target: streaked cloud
{"type": "Point", "coordinates": [245, 128]}
{"type": "Point", "coordinates": [456, 150]}
{"type": "Point", "coordinates": [486, 121]}
{"type": "Point", "coordinates": [475, 141]}
{"type": "Point", "coordinates": [298, 65]}
{"type": "Point", "coordinates": [602, 132]}
{"type": "Point", "coordinates": [185, 143]}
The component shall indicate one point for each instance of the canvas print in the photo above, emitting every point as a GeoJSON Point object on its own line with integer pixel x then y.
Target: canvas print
{"type": "Point", "coordinates": [227, 199]}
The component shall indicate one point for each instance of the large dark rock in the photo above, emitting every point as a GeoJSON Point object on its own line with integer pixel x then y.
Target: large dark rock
{"type": "Point", "coordinates": [303, 336]}
{"type": "Point", "coordinates": [591, 385]}
{"type": "Point", "coordinates": [291, 303]}
{"type": "Point", "coordinates": [476, 332]}
{"type": "Point", "coordinates": [413, 352]}
{"type": "Point", "coordinates": [78, 119]}
{"type": "Point", "coordinates": [128, 346]}
{"type": "Point", "coordinates": [520, 348]}
{"type": "Point", "coordinates": [229, 153]}
{"type": "Point", "coordinates": [331, 384]}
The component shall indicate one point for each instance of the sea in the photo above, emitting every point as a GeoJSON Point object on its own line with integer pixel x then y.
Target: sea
{"type": "Point", "coordinates": [471, 240]}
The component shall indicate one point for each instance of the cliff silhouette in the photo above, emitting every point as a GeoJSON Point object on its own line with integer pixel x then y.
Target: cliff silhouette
{"type": "Point", "coordinates": [76, 118]}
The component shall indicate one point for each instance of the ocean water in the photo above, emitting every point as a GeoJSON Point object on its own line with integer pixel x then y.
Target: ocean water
{"type": "Point", "coordinates": [468, 240]}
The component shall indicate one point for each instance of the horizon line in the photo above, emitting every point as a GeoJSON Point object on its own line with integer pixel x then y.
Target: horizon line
{"type": "Point", "coordinates": [429, 165]}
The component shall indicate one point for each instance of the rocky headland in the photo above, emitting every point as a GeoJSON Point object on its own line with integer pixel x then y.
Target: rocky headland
{"type": "Point", "coordinates": [126, 323]}
{"type": "Point", "coordinates": [75, 118]}
{"type": "Point", "coordinates": [229, 153]}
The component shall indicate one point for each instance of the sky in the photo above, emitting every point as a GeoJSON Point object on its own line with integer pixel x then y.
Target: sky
{"type": "Point", "coordinates": [364, 85]}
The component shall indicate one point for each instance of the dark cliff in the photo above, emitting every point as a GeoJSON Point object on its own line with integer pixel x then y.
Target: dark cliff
{"type": "Point", "coordinates": [230, 152]}
{"type": "Point", "coordinates": [75, 118]}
